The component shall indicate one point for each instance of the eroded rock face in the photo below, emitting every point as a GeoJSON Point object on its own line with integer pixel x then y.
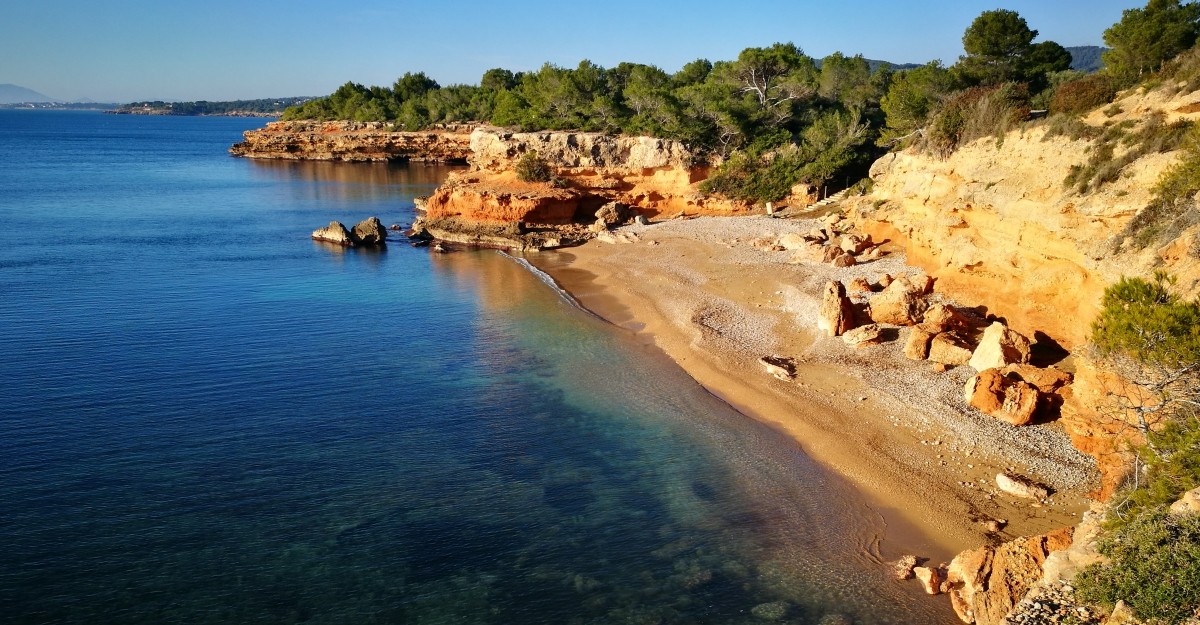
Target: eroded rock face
{"type": "Point", "coordinates": [352, 141]}
{"type": "Point", "coordinates": [986, 583]}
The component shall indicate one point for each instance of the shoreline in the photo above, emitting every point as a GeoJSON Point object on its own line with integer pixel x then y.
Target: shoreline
{"type": "Point", "coordinates": [702, 292]}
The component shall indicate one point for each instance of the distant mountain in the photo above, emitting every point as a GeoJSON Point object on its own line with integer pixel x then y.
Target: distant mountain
{"type": "Point", "coordinates": [1086, 58]}
{"type": "Point", "coordinates": [875, 65]}
{"type": "Point", "coordinates": [10, 94]}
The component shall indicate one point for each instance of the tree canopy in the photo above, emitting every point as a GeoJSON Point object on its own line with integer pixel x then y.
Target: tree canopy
{"type": "Point", "coordinates": [1147, 37]}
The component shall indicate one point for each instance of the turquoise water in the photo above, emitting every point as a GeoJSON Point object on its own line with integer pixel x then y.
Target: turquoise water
{"type": "Point", "coordinates": [205, 417]}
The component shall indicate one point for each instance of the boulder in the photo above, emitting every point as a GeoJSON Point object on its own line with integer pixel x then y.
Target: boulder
{"type": "Point", "coordinates": [917, 345]}
{"type": "Point", "coordinates": [793, 241]}
{"type": "Point", "coordinates": [817, 234]}
{"type": "Point", "coordinates": [1048, 381]}
{"type": "Point", "coordinates": [946, 316]}
{"type": "Point", "coordinates": [1000, 346]}
{"type": "Point", "coordinates": [335, 233]}
{"type": "Point", "coordinates": [858, 285]}
{"type": "Point", "coordinates": [831, 252]}
{"type": "Point", "coordinates": [866, 335]}
{"type": "Point", "coordinates": [599, 226]}
{"type": "Point", "coordinates": [1188, 504]}
{"type": "Point", "coordinates": [641, 220]}
{"type": "Point", "coordinates": [884, 280]}
{"type": "Point", "coordinates": [1021, 486]}
{"type": "Point", "coordinates": [845, 260]}
{"type": "Point", "coordinates": [874, 253]}
{"type": "Point", "coordinates": [949, 349]}
{"type": "Point", "coordinates": [369, 231]}
{"type": "Point", "coordinates": [905, 566]}
{"type": "Point", "coordinates": [1009, 399]}
{"type": "Point", "coordinates": [613, 214]}
{"type": "Point", "coordinates": [986, 583]}
{"type": "Point", "coordinates": [930, 577]}
{"type": "Point", "coordinates": [854, 244]}
{"type": "Point", "coordinates": [901, 303]}
{"type": "Point", "coordinates": [779, 366]}
{"type": "Point", "coordinates": [920, 281]}
{"type": "Point", "coordinates": [837, 313]}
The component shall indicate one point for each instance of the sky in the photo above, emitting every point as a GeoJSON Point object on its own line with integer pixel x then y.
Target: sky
{"type": "Point", "coordinates": [131, 50]}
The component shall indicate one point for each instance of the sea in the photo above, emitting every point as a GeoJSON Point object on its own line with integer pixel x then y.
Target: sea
{"type": "Point", "coordinates": [207, 417]}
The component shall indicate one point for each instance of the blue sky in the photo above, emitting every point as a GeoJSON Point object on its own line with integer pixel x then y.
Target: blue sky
{"type": "Point", "coordinates": [125, 50]}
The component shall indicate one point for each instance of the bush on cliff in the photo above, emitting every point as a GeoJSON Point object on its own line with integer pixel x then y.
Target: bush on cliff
{"type": "Point", "coordinates": [1151, 337]}
{"type": "Point", "coordinates": [1155, 567]}
{"type": "Point", "coordinates": [976, 113]}
{"type": "Point", "coordinates": [532, 168]}
{"type": "Point", "coordinates": [1083, 95]}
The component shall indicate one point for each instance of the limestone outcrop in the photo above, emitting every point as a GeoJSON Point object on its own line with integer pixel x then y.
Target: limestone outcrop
{"type": "Point", "coordinates": [353, 141]}
{"type": "Point", "coordinates": [986, 583]}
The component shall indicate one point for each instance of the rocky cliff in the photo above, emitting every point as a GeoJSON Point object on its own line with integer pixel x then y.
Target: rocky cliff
{"type": "Point", "coordinates": [353, 141]}
{"type": "Point", "coordinates": [997, 227]}
{"type": "Point", "coordinates": [652, 176]}
{"type": "Point", "coordinates": [995, 224]}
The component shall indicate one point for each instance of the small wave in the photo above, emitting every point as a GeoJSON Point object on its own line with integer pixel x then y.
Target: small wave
{"type": "Point", "coordinates": [549, 281]}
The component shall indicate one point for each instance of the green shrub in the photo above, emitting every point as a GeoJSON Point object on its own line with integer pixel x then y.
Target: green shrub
{"type": "Point", "coordinates": [1105, 165]}
{"type": "Point", "coordinates": [1155, 567]}
{"type": "Point", "coordinates": [1083, 95]}
{"type": "Point", "coordinates": [532, 168]}
{"type": "Point", "coordinates": [1070, 126]}
{"type": "Point", "coordinates": [976, 113]}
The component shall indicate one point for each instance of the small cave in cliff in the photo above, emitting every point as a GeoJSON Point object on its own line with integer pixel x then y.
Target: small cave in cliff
{"type": "Point", "coordinates": [585, 210]}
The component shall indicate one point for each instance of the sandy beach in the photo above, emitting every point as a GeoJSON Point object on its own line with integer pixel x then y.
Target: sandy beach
{"type": "Point", "coordinates": [713, 296]}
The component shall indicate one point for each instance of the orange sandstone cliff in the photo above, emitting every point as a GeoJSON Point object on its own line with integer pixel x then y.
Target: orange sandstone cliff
{"type": "Point", "coordinates": [997, 227]}
{"type": "Point", "coordinates": [489, 205]}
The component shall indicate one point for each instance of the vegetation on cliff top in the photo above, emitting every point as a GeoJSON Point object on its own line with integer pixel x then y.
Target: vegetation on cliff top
{"type": "Point", "coordinates": [775, 117]}
{"type": "Point", "coordinates": [1151, 336]}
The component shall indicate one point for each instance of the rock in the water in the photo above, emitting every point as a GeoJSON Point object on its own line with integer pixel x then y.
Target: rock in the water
{"type": "Point", "coordinates": [773, 611]}
{"type": "Point", "coordinates": [949, 349]}
{"type": "Point", "coordinates": [1188, 504]}
{"type": "Point", "coordinates": [865, 335]}
{"type": "Point", "coordinates": [905, 566]}
{"type": "Point", "coordinates": [1000, 346]}
{"type": "Point", "coordinates": [369, 231]}
{"type": "Point", "coordinates": [1009, 399]}
{"type": "Point", "coordinates": [919, 339]}
{"type": "Point", "coordinates": [613, 214]}
{"type": "Point", "coordinates": [901, 303]}
{"type": "Point", "coordinates": [930, 577]}
{"type": "Point", "coordinates": [335, 233]}
{"type": "Point", "coordinates": [1021, 486]}
{"type": "Point", "coordinates": [837, 313]}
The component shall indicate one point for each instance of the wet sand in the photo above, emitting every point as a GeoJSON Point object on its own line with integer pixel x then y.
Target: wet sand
{"type": "Point", "coordinates": [715, 299]}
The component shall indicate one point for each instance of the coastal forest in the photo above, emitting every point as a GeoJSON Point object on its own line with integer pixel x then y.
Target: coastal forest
{"type": "Point", "coordinates": [775, 117]}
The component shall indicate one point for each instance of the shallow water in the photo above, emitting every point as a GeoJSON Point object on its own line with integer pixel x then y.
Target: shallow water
{"type": "Point", "coordinates": [207, 417]}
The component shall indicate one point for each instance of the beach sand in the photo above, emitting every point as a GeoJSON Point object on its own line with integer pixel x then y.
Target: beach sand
{"type": "Point", "coordinates": [715, 299]}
